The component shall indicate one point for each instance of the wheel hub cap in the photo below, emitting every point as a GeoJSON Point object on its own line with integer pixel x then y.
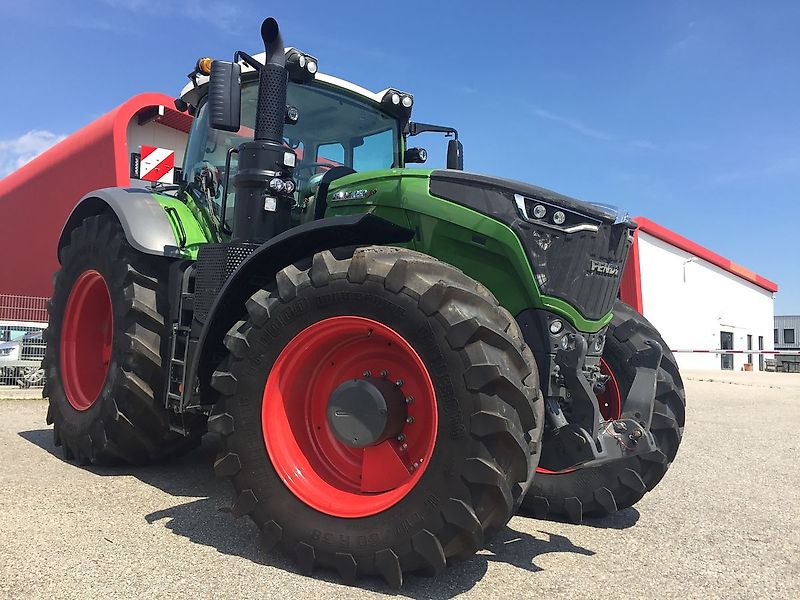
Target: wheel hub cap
{"type": "Point", "coordinates": [363, 412]}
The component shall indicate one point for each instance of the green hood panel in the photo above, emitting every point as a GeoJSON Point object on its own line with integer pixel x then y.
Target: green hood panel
{"type": "Point", "coordinates": [189, 224]}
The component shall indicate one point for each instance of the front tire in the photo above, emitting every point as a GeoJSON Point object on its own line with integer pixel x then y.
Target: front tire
{"type": "Point", "coordinates": [107, 345]}
{"type": "Point", "coordinates": [358, 319]}
{"type": "Point", "coordinates": [605, 489]}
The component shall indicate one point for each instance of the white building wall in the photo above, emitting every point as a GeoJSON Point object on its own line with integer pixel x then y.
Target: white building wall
{"type": "Point", "coordinates": [690, 301]}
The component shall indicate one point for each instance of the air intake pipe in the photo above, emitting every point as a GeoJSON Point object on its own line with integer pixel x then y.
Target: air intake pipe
{"type": "Point", "coordinates": [272, 85]}
{"type": "Point", "coordinates": [264, 183]}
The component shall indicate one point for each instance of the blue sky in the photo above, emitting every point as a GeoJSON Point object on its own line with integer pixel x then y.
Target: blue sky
{"type": "Point", "coordinates": [685, 112]}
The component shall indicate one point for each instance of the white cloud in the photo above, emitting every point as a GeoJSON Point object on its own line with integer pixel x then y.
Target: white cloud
{"type": "Point", "coordinates": [643, 144]}
{"type": "Point", "coordinates": [574, 124]}
{"type": "Point", "coordinates": [591, 132]}
{"type": "Point", "coordinates": [17, 151]}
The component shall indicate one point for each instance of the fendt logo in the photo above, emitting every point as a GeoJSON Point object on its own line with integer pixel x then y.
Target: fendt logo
{"type": "Point", "coordinates": [601, 267]}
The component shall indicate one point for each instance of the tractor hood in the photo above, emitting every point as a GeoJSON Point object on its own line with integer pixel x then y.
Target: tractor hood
{"type": "Point", "coordinates": [455, 185]}
{"type": "Point", "coordinates": [577, 249]}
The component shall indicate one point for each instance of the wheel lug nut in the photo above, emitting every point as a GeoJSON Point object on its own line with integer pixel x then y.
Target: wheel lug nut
{"type": "Point", "coordinates": [399, 383]}
{"type": "Point", "coordinates": [401, 438]}
{"type": "Point", "coordinates": [404, 446]}
{"type": "Point", "coordinates": [409, 399]}
{"type": "Point", "coordinates": [409, 420]}
{"type": "Point", "coordinates": [367, 374]}
{"type": "Point", "coordinates": [384, 373]}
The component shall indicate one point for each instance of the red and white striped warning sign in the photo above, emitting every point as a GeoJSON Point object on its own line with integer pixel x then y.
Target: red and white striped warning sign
{"type": "Point", "coordinates": [157, 164]}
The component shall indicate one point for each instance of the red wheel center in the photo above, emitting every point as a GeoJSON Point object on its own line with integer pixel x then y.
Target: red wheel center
{"type": "Point", "coordinates": [311, 459]}
{"type": "Point", "coordinates": [610, 401]}
{"type": "Point", "coordinates": [86, 340]}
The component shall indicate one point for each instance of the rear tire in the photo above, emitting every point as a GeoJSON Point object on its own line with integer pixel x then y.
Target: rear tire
{"type": "Point", "coordinates": [486, 400]}
{"type": "Point", "coordinates": [106, 414]}
{"type": "Point", "coordinates": [600, 491]}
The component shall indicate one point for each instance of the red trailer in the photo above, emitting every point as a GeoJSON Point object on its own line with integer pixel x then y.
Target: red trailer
{"type": "Point", "coordinates": [36, 200]}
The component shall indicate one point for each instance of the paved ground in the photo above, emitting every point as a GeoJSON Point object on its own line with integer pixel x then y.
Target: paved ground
{"type": "Point", "coordinates": [725, 522]}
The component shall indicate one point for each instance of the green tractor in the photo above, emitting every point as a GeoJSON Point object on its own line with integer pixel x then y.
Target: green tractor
{"type": "Point", "coordinates": [396, 359]}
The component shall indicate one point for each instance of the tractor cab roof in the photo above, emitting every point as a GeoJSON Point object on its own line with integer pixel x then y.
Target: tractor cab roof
{"type": "Point", "coordinates": [194, 90]}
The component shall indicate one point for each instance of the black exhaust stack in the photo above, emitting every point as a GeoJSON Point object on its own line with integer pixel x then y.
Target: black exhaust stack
{"type": "Point", "coordinates": [263, 207]}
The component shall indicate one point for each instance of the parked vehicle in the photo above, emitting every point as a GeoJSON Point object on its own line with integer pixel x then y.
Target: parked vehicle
{"type": "Point", "coordinates": [21, 354]}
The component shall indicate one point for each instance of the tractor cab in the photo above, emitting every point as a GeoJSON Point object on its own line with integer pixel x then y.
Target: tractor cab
{"type": "Point", "coordinates": [329, 123]}
{"type": "Point", "coordinates": [333, 127]}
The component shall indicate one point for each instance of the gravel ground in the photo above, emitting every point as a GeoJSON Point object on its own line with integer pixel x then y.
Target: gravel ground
{"type": "Point", "coordinates": [724, 523]}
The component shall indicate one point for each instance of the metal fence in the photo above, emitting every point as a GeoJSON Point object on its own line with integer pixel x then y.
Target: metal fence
{"type": "Point", "coordinates": [23, 320]}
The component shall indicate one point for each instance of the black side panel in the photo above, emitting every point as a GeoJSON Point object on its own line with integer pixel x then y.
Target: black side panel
{"type": "Point", "coordinates": [258, 266]}
{"type": "Point", "coordinates": [215, 264]}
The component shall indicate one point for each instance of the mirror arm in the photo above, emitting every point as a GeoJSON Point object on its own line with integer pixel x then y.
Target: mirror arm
{"type": "Point", "coordinates": [247, 59]}
{"type": "Point", "coordinates": [414, 128]}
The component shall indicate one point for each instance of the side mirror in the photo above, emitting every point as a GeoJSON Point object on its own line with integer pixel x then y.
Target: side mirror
{"type": "Point", "coordinates": [416, 155]}
{"type": "Point", "coordinates": [455, 155]}
{"type": "Point", "coordinates": [225, 96]}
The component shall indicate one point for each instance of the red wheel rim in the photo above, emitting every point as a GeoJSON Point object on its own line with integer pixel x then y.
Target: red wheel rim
{"type": "Point", "coordinates": [610, 401]}
{"type": "Point", "coordinates": [320, 470]}
{"type": "Point", "coordinates": [86, 340]}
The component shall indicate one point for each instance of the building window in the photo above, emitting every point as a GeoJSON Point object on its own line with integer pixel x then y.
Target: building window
{"type": "Point", "coordinates": [749, 347]}
{"type": "Point", "coordinates": [788, 336]}
{"type": "Point", "coordinates": [726, 343]}
{"type": "Point", "coordinates": [776, 337]}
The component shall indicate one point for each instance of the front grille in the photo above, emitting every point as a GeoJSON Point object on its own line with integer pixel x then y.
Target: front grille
{"type": "Point", "coordinates": [215, 264]}
{"type": "Point", "coordinates": [582, 268]}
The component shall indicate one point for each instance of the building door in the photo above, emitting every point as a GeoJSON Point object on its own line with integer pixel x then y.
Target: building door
{"type": "Point", "coordinates": [760, 356]}
{"type": "Point", "coordinates": [726, 343]}
{"type": "Point", "coordinates": [749, 347]}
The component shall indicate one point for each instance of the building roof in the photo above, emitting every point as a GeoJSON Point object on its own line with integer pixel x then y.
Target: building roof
{"type": "Point", "coordinates": [687, 245]}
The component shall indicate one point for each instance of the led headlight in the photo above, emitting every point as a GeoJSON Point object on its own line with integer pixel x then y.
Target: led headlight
{"type": "Point", "coordinates": [598, 342]}
{"type": "Point", "coordinates": [397, 103]}
{"type": "Point", "coordinates": [301, 67]}
{"type": "Point", "coordinates": [288, 186]}
{"type": "Point", "coordinates": [556, 326]}
{"type": "Point", "coordinates": [559, 217]}
{"type": "Point", "coordinates": [565, 341]}
{"type": "Point", "coordinates": [277, 185]}
{"type": "Point", "coordinates": [539, 211]}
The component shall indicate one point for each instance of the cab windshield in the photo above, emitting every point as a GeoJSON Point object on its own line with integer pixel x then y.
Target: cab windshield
{"type": "Point", "coordinates": [334, 128]}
